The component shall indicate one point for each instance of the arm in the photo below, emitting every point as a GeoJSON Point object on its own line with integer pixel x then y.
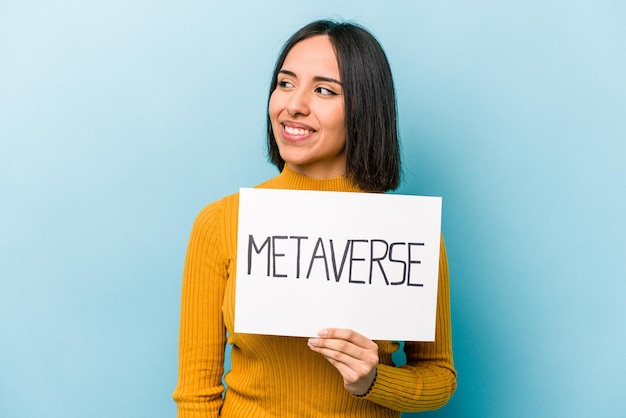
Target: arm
{"type": "Point", "coordinates": [202, 333]}
{"type": "Point", "coordinates": [426, 382]}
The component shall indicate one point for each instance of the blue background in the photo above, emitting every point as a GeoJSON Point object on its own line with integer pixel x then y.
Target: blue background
{"type": "Point", "coordinates": [120, 120]}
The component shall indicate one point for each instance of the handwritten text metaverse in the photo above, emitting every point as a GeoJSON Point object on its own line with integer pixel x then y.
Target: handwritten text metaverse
{"type": "Point", "coordinates": [357, 261]}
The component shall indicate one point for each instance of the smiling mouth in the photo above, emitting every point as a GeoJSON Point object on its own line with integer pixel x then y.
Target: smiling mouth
{"type": "Point", "coordinates": [297, 131]}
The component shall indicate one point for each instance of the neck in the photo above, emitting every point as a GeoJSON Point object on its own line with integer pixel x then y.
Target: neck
{"type": "Point", "coordinates": [290, 179]}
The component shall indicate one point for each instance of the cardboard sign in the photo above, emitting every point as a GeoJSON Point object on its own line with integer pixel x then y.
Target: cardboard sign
{"type": "Point", "coordinates": [308, 260]}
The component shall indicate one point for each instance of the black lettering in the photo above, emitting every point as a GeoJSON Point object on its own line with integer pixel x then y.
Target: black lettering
{"type": "Point", "coordinates": [384, 259]}
{"type": "Point", "coordinates": [375, 259]}
{"type": "Point", "coordinates": [298, 254]}
{"type": "Point", "coordinates": [275, 254]}
{"type": "Point", "coordinates": [353, 259]}
{"type": "Point", "coordinates": [411, 261]}
{"type": "Point", "coordinates": [318, 244]}
{"type": "Point", "coordinates": [252, 244]}
{"type": "Point", "coordinates": [343, 259]}
{"type": "Point", "coordinates": [394, 260]}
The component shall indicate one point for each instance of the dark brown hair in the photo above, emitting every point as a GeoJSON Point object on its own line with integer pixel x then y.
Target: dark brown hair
{"type": "Point", "coordinates": [372, 146]}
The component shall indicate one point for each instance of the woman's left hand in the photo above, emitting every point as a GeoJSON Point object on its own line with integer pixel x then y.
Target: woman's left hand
{"type": "Point", "coordinates": [352, 354]}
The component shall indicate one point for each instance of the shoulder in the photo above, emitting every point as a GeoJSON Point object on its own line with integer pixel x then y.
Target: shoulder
{"type": "Point", "coordinates": [218, 211]}
{"type": "Point", "coordinates": [227, 208]}
{"type": "Point", "coordinates": [270, 183]}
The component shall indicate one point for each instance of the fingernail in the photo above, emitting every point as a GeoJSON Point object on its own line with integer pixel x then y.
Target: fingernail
{"type": "Point", "coordinates": [323, 333]}
{"type": "Point", "coordinates": [313, 341]}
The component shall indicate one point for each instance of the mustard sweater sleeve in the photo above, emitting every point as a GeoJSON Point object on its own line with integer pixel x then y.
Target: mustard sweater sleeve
{"type": "Point", "coordinates": [202, 334]}
{"type": "Point", "coordinates": [428, 380]}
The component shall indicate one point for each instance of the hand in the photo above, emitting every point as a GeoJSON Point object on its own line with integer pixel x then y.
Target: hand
{"type": "Point", "coordinates": [352, 354]}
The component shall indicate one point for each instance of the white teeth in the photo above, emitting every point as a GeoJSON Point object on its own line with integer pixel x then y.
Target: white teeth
{"type": "Point", "coordinates": [297, 131]}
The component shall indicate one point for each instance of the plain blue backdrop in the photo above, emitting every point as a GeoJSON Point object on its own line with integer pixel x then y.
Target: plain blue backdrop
{"type": "Point", "coordinates": [120, 120]}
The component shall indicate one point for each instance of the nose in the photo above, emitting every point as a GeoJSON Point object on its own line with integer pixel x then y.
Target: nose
{"type": "Point", "coordinates": [298, 103]}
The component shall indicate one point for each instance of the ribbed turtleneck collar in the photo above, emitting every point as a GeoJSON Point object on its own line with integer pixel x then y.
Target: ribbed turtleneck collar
{"type": "Point", "coordinates": [289, 179]}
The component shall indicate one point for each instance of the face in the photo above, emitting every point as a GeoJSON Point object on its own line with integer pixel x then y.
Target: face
{"type": "Point", "coordinates": [307, 110]}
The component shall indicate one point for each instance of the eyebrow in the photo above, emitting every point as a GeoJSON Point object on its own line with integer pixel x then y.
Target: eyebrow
{"type": "Point", "coordinates": [316, 78]}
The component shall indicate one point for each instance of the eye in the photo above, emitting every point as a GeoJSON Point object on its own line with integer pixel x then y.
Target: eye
{"type": "Point", "coordinates": [285, 84]}
{"type": "Point", "coordinates": [324, 91]}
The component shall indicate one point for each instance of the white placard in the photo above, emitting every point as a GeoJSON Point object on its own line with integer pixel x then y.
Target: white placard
{"type": "Point", "coordinates": [308, 260]}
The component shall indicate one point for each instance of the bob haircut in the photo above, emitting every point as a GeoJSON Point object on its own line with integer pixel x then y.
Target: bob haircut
{"type": "Point", "coordinates": [372, 146]}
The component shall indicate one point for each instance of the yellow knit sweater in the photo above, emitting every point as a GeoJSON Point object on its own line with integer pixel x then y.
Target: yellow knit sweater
{"type": "Point", "coordinates": [280, 376]}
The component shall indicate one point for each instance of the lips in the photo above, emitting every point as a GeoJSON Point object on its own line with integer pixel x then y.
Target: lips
{"type": "Point", "coordinates": [296, 131]}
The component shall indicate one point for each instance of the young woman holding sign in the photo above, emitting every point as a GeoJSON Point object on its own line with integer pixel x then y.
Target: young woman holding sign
{"type": "Point", "coordinates": [331, 127]}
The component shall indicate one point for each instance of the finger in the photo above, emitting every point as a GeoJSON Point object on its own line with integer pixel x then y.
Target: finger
{"type": "Point", "coordinates": [333, 338]}
{"type": "Point", "coordinates": [347, 335]}
{"type": "Point", "coordinates": [336, 348]}
{"type": "Point", "coordinates": [351, 368]}
{"type": "Point", "coordinates": [345, 351]}
{"type": "Point", "coordinates": [357, 373]}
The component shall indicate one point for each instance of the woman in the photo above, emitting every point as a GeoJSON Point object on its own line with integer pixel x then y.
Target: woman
{"type": "Point", "coordinates": [331, 127]}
